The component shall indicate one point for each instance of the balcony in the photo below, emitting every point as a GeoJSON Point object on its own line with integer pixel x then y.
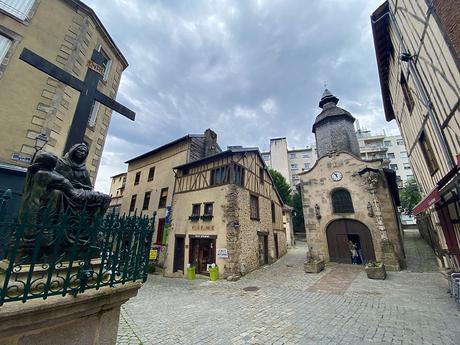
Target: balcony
{"type": "Point", "coordinates": [373, 148]}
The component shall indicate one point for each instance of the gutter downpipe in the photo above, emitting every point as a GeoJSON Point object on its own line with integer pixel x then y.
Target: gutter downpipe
{"type": "Point", "coordinates": [420, 88]}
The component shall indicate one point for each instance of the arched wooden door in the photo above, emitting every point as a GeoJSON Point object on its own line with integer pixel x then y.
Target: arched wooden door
{"type": "Point", "coordinates": [340, 231]}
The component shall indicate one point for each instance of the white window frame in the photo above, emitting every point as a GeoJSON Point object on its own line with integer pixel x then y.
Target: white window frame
{"type": "Point", "coordinates": [93, 117]}
{"type": "Point", "coordinates": [109, 62]}
{"type": "Point", "coordinates": [17, 8]}
{"type": "Point", "coordinates": [5, 45]}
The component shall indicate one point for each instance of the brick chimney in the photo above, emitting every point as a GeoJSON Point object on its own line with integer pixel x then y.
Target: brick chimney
{"type": "Point", "coordinates": [210, 143]}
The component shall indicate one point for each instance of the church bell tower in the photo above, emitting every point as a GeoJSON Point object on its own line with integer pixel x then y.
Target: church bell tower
{"type": "Point", "coordinates": [333, 128]}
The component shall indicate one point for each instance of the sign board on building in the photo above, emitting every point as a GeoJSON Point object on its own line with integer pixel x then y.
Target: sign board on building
{"type": "Point", "coordinates": [222, 253]}
{"type": "Point", "coordinates": [153, 254]}
{"type": "Point", "coordinates": [17, 157]}
{"type": "Point", "coordinates": [203, 227]}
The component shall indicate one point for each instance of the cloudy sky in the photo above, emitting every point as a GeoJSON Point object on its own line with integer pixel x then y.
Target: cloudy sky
{"type": "Point", "coordinates": [251, 70]}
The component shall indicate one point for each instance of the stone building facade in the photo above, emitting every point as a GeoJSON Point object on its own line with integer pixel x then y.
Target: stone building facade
{"type": "Point", "coordinates": [226, 211]}
{"type": "Point", "coordinates": [64, 32]}
{"type": "Point", "coordinates": [148, 185]}
{"type": "Point", "coordinates": [418, 59]}
{"type": "Point", "coordinates": [117, 188]}
{"type": "Point", "coordinates": [348, 199]}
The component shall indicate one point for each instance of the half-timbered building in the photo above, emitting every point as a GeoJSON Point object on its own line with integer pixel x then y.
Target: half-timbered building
{"type": "Point", "coordinates": [417, 46]}
{"type": "Point", "coordinates": [225, 211]}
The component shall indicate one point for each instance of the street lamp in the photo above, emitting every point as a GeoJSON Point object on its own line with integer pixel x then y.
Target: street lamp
{"type": "Point", "coordinates": [40, 142]}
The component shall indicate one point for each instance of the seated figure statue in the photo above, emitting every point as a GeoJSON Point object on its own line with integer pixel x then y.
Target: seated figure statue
{"type": "Point", "coordinates": [72, 166]}
{"type": "Point", "coordinates": [45, 187]}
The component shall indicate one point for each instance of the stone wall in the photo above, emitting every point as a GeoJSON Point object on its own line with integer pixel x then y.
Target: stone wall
{"type": "Point", "coordinates": [88, 319]}
{"type": "Point", "coordinates": [317, 186]}
{"type": "Point", "coordinates": [32, 102]}
{"type": "Point", "coordinates": [336, 135]}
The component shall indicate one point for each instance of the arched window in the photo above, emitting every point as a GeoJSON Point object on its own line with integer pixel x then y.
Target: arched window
{"type": "Point", "coordinates": [341, 201]}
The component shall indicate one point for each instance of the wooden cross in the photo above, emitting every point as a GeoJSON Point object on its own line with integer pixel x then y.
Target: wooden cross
{"type": "Point", "coordinates": [88, 92]}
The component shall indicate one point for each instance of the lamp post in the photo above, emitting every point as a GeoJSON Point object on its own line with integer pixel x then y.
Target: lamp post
{"type": "Point", "coordinates": [40, 142]}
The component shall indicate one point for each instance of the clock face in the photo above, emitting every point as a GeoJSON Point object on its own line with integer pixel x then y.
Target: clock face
{"type": "Point", "coordinates": [336, 176]}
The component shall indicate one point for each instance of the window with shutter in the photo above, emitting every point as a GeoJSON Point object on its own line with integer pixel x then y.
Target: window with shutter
{"type": "Point", "coordinates": [18, 8]}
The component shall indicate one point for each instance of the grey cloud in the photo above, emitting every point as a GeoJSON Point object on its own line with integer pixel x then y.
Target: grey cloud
{"type": "Point", "coordinates": [250, 70]}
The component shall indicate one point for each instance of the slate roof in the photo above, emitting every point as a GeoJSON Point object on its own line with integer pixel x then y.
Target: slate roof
{"type": "Point", "coordinates": [330, 109]}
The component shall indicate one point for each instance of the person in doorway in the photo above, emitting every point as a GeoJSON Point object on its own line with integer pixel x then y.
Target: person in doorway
{"type": "Point", "coordinates": [360, 253]}
{"type": "Point", "coordinates": [353, 252]}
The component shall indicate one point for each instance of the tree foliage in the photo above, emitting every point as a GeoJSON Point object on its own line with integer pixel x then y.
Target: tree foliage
{"type": "Point", "coordinates": [409, 195]}
{"type": "Point", "coordinates": [284, 189]}
{"type": "Point", "coordinates": [297, 219]}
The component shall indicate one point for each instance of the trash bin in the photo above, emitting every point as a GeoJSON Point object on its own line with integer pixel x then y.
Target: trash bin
{"type": "Point", "coordinates": [191, 273]}
{"type": "Point", "coordinates": [213, 273]}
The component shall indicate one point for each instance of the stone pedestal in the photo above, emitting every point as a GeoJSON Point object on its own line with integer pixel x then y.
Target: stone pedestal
{"type": "Point", "coordinates": [389, 257]}
{"type": "Point", "coordinates": [88, 319]}
{"type": "Point", "coordinates": [313, 266]}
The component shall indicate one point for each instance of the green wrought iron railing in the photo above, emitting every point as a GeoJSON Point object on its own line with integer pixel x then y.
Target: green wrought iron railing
{"type": "Point", "coordinates": [59, 254]}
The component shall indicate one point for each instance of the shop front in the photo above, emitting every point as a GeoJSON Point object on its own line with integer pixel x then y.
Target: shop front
{"type": "Point", "coordinates": [202, 252]}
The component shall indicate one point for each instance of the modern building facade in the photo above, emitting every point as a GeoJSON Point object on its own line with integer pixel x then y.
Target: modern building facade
{"type": "Point", "coordinates": [348, 201]}
{"type": "Point", "coordinates": [289, 162]}
{"type": "Point", "coordinates": [388, 147]}
{"type": "Point", "coordinates": [64, 32]}
{"type": "Point", "coordinates": [225, 211]}
{"type": "Point", "coordinates": [417, 47]}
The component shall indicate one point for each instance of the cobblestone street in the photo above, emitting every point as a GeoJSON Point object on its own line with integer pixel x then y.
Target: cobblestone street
{"type": "Point", "coordinates": [338, 306]}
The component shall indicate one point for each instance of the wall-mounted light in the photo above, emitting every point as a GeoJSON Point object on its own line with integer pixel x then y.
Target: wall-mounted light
{"type": "Point", "coordinates": [317, 211]}
{"type": "Point", "coordinates": [40, 142]}
{"type": "Point", "coordinates": [405, 57]}
{"type": "Point", "coordinates": [370, 210]}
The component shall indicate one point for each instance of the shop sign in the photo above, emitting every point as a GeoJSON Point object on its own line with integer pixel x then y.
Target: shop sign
{"type": "Point", "coordinates": [203, 227]}
{"type": "Point", "coordinates": [222, 253]}
{"type": "Point", "coordinates": [154, 254]}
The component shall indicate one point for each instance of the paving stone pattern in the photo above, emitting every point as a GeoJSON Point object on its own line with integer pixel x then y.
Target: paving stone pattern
{"type": "Point", "coordinates": [407, 308]}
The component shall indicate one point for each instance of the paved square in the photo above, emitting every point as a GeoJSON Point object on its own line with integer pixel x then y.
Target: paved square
{"type": "Point", "coordinates": [292, 307]}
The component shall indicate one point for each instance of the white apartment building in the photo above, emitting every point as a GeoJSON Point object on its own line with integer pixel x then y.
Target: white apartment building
{"type": "Point", "coordinates": [390, 147]}
{"type": "Point", "coordinates": [290, 162]}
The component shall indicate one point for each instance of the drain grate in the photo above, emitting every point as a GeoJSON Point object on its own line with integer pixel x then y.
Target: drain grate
{"type": "Point", "coordinates": [251, 288]}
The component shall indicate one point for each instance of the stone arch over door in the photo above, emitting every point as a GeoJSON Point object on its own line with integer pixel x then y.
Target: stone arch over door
{"type": "Point", "coordinates": [338, 233]}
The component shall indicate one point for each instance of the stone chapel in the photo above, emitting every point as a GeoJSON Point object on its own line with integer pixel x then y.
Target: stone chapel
{"type": "Point", "coordinates": [347, 200]}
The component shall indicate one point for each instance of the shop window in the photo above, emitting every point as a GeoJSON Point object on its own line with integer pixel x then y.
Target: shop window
{"type": "Point", "coordinates": [163, 198]}
{"type": "Point", "coordinates": [341, 201]}
{"type": "Point", "coordinates": [254, 207]}
{"type": "Point", "coordinates": [132, 205]}
{"type": "Point", "coordinates": [428, 154]}
{"type": "Point", "coordinates": [137, 178]}
{"type": "Point", "coordinates": [151, 174]}
{"type": "Point", "coordinates": [146, 203]}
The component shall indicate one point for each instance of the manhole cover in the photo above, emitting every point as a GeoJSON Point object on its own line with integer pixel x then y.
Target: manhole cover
{"type": "Point", "coordinates": [251, 288]}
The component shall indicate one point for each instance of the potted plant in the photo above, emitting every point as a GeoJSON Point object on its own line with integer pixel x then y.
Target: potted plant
{"type": "Point", "coordinates": [194, 217]}
{"type": "Point", "coordinates": [376, 270]}
{"type": "Point", "coordinates": [313, 264]}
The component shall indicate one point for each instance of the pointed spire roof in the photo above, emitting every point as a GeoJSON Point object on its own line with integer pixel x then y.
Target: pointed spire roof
{"type": "Point", "coordinates": [327, 97]}
{"type": "Point", "coordinates": [330, 110]}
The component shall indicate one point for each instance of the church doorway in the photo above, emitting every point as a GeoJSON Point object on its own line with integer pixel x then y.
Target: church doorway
{"type": "Point", "coordinates": [344, 233]}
